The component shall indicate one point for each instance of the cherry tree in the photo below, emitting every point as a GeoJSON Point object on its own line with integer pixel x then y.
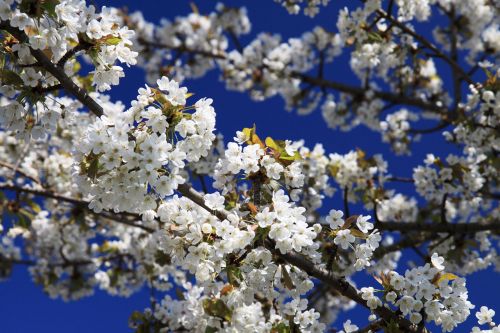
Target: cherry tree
{"type": "Point", "coordinates": [228, 232]}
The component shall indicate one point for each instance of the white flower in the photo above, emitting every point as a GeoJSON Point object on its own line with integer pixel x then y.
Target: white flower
{"type": "Point", "coordinates": [391, 296]}
{"type": "Point", "coordinates": [348, 327]}
{"type": "Point", "coordinates": [291, 147]}
{"type": "Point", "coordinates": [405, 304]}
{"type": "Point", "coordinates": [397, 281]}
{"type": "Point", "coordinates": [265, 218]}
{"type": "Point", "coordinates": [214, 201]}
{"type": "Point", "coordinates": [334, 219]}
{"type": "Point", "coordinates": [437, 261]}
{"type": "Point", "coordinates": [176, 95]}
{"type": "Point", "coordinates": [21, 21]}
{"type": "Point", "coordinates": [344, 239]}
{"type": "Point", "coordinates": [274, 170]}
{"type": "Point", "coordinates": [485, 315]}
{"type": "Point", "coordinates": [363, 224]}
{"type": "Point", "coordinates": [240, 137]}
{"type": "Point", "coordinates": [415, 318]}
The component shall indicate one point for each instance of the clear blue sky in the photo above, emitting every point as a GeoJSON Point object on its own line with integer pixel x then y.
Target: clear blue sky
{"type": "Point", "coordinates": [23, 306]}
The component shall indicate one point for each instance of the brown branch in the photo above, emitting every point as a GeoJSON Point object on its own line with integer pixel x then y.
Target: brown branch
{"type": "Point", "coordinates": [357, 91]}
{"type": "Point", "coordinates": [43, 90]}
{"type": "Point", "coordinates": [27, 262]}
{"type": "Point", "coordinates": [455, 228]}
{"type": "Point", "coordinates": [442, 125]}
{"type": "Point", "coordinates": [181, 49]}
{"type": "Point", "coordinates": [56, 71]}
{"type": "Point", "coordinates": [408, 241]}
{"type": "Point", "coordinates": [120, 218]}
{"type": "Point", "coordinates": [235, 40]}
{"type": "Point", "coordinates": [457, 87]}
{"type": "Point", "coordinates": [455, 66]}
{"type": "Point", "coordinates": [82, 45]}
{"type": "Point", "coordinates": [372, 327]}
{"type": "Point", "coordinates": [19, 171]}
{"type": "Point", "coordinates": [346, 202]}
{"type": "Point", "coordinates": [344, 288]}
{"type": "Point", "coordinates": [319, 81]}
{"type": "Point", "coordinates": [400, 179]}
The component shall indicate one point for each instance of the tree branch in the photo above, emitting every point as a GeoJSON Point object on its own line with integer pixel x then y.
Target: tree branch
{"type": "Point", "coordinates": [372, 327]}
{"type": "Point", "coordinates": [82, 45]}
{"type": "Point", "coordinates": [320, 82]}
{"type": "Point", "coordinates": [56, 71]}
{"type": "Point", "coordinates": [455, 228]}
{"type": "Point", "coordinates": [181, 49]}
{"type": "Point", "coordinates": [357, 91]}
{"type": "Point", "coordinates": [81, 203]}
{"type": "Point", "coordinates": [404, 243]}
{"type": "Point", "coordinates": [19, 171]}
{"type": "Point", "coordinates": [343, 287]}
{"type": "Point", "coordinates": [455, 66]}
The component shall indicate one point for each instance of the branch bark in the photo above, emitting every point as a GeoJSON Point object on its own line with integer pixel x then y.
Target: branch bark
{"type": "Point", "coordinates": [455, 228]}
{"type": "Point", "coordinates": [345, 288]}
{"type": "Point", "coordinates": [123, 218]}
{"type": "Point", "coordinates": [454, 65]}
{"type": "Point", "coordinates": [68, 84]}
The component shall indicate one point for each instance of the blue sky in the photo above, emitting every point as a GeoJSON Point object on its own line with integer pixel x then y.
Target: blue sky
{"type": "Point", "coordinates": [25, 308]}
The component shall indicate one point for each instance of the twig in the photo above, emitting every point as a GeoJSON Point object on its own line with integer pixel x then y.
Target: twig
{"type": "Point", "coordinates": [57, 72]}
{"type": "Point", "coordinates": [19, 171]}
{"type": "Point", "coordinates": [346, 202]}
{"type": "Point", "coordinates": [455, 228]}
{"type": "Point", "coordinates": [372, 327]}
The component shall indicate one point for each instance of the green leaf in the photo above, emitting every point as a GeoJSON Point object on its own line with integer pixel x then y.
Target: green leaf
{"type": "Point", "coordinates": [392, 327]}
{"type": "Point", "coordinates": [136, 316]}
{"type": "Point", "coordinates": [162, 258]}
{"type": "Point", "coordinates": [272, 144]}
{"type": "Point", "coordinates": [445, 277]}
{"type": "Point", "coordinates": [112, 40]}
{"type": "Point", "coordinates": [23, 221]}
{"type": "Point", "coordinates": [217, 308]}
{"type": "Point", "coordinates": [179, 294]}
{"type": "Point", "coordinates": [234, 275]}
{"type": "Point", "coordinates": [357, 233]}
{"type": "Point", "coordinates": [287, 157]}
{"type": "Point", "coordinates": [11, 78]}
{"type": "Point", "coordinates": [49, 6]}
{"type": "Point", "coordinates": [281, 328]}
{"type": "Point", "coordinates": [34, 206]}
{"type": "Point", "coordinates": [253, 138]}
{"type": "Point", "coordinates": [375, 37]}
{"type": "Point", "coordinates": [2, 61]}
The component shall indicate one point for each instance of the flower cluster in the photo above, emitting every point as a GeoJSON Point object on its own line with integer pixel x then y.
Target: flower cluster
{"type": "Point", "coordinates": [460, 175]}
{"type": "Point", "coordinates": [102, 195]}
{"type": "Point", "coordinates": [355, 173]}
{"type": "Point", "coordinates": [395, 130]}
{"type": "Point", "coordinates": [127, 160]}
{"type": "Point", "coordinates": [186, 47]}
{"type": "Point", "coordinates": [311, 7]}
{"type": "Point", "coordinates": [356, 233]}
{"type": "Point", "coordinates": [267, 65]}
{"type": "Point", "coordinates": [485, 317]}
{"type": "Point", "coordinates": [265, 165]}
{"type": "Point", "coordinates": [425, 292]}
{"type": "Point", "coordinates": [231, 308]}
{"type": "Point", "coordinates": [61, 32]}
